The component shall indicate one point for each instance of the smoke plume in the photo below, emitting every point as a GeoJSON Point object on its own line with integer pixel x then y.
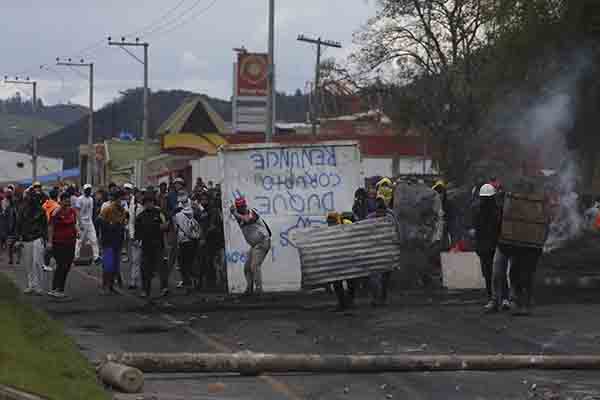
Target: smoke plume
{"type": "Point", "coordinates": [539, 125]}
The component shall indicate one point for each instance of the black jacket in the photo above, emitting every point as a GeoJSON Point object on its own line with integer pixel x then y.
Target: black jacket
{"type": "Point", "coordinates": [32, 222]}
{"type": "Point", "coordinates": [148, 227]}
{"type": "Point", "coordinates": [487, 224]}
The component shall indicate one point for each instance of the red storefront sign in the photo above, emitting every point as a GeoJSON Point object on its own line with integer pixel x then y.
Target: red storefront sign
{"type": "Point", "coordinates": [252, 70]}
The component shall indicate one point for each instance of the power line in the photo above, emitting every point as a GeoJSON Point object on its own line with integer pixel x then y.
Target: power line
{"type": "Point", "coordinates": [186, 21]}
{"type": "Point", "coordinates": [169, 23]}
{"type": "Point", "coordinates": [151, 25]}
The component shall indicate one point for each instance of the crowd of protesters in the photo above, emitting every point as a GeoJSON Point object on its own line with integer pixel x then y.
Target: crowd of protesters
{"type": "Point", "coordinates": [166, 229]}
{"type": "Point", "coordinates": [157, 230]}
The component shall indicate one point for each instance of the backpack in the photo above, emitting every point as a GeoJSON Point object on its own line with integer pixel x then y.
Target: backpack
{"type": "Point", "coordinates": [259, 218]}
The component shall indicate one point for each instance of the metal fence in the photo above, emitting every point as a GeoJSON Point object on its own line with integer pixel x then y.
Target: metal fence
{"type": "Point", "coordinates": [340, 252]}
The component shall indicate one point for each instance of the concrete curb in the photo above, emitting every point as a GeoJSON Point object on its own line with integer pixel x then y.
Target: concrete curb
{"type": "Point", "coordinates": [7, 393]}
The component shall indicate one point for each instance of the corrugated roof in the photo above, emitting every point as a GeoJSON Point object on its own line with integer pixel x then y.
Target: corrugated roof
{"type": "Point", "coordinates": [194, 116]}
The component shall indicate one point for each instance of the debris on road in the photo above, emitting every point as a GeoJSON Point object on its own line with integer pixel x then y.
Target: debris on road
{"type": "Point", "coordinates": [122, 377]}
{"type": "Point", "coordinates": [257, 363]}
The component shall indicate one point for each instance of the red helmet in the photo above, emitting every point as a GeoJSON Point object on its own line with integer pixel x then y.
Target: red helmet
{"type": "Point", "coordinates": [240, 202]}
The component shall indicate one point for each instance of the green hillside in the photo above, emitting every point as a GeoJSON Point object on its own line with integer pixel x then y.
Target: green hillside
{"type": "Point", "coordinates": [16, 130]}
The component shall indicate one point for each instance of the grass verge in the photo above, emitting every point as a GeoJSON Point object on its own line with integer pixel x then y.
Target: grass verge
{"type": "Point", "coordinates": [36, 356]}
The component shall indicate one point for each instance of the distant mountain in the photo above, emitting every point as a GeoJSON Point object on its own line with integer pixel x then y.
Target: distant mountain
{"type": "Point", "coordinates": [19, 123]}
{"type": "Point", "coordinates": [125, 115]}
{"type": "Point", "coordinates": [17, 130]}
{"type": "Point", "coordinates": [63, 114]}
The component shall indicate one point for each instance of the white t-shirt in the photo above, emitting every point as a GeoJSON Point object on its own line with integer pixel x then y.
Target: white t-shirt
{"type": "Point", "coordinates": [86, 209]}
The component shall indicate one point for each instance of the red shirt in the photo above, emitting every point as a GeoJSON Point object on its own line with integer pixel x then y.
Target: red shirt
{"type": "Point", "coordinates": [64, 222]}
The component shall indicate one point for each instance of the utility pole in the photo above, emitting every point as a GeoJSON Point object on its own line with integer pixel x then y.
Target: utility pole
{"type": "Point", "coordinates": [34, 140]}
{"type": "Point", "coordinates": [123, 45]}
{"type": "Point", "coordinates": [271, 75]}
{"type": "Point", "coordinates": [90, 138]}
{"type": "Point", "coordinates": [316, 108]}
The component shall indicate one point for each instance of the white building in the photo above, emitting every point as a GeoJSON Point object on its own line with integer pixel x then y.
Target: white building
{"type": "Point", "coordinates": [15, 167]}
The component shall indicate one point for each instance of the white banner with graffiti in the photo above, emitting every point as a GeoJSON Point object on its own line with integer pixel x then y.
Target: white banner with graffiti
{"type": "Point", "coordinates": [291, 187]}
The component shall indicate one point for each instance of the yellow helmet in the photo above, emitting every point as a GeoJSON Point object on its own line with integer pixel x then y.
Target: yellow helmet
{"type": "Point", "coordinates": [384, 181]}
{"type": "Point", "coordinates": [440, 184]}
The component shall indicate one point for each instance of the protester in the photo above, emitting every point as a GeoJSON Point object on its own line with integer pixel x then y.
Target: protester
{"type": "Point", "coordinates": [487, 230]}
{"type": "Point", "coordinates": [204, 272]}
{"type": "Point", "coordinates": [162, 197]}
{"type": "Point", "coordinates": [361, 206]}
{"type": "Point", "coordinates": [200, 186]}
{"type": "Point", "coordinates": [380, 282]}
{"type": "Point", "coordinates": [371, 199]}
{"type": "Point", "coordinates": [188, 234]}
{"type": "Point", "coordinates": [62, 235]}
{"type": "Point", "coordinates": [9, 211]}
{"type": "Point", "coordinates": [112, 221]}
{"type": "Point", "coordinates": [345, 298]}
{"type": "Point", "coordinates": [385, 190]}
{"type": "Point", "coordinates": [178, 196]}
{"type": "Point", "coordinates": [32, 231]}
{"type": "Point", "coordinates": [150, 225]}
{"type": "Point", "coordinates": [258, 235]}
{"type": "Point", "coordinates": [51, 204]}
{"type": "Point", "coordinates": [85, 213]}
{"type": "Point", "coordinates": [7, 221]}
{"type": "Point", "coordinates": [216, 238]}
{"type": "Point", "coordinates": [135, 249]}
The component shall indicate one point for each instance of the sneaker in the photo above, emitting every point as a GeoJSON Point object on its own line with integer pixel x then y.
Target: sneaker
{"type": "Point", "coordinates": [164, 292]}
{"type": "Point", "coordinates": [180, 284]}
{"type": "Point", "coordinates": [98, 261]}
{"type": "Point", "coordinates": [28, 290]}
{"type": "Point", "coordinates": [144, 294]}
{"type": "Point", "coordinates": [491, 307]}
{"type": "Point", "coordinates": [52, 293]}
{"type": "Point", "coordinates": [39, 292]}
{"type": "Point", "coordinates": [506, 305]}
{"type": "Point", "coordinates": [47, 268]}
{"type": "Point", "coordinates": [60, 295]}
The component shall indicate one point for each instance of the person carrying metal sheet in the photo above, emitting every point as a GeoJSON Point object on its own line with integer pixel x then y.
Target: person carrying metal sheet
{"type": "Point", "coordinates": [258, 235]}
{"type": "Point", "coordinates": [524, 231]}
{"type": "Point", "coordinates": [379, 281]}
{"type": "Point", "coordinates": [345, 297]}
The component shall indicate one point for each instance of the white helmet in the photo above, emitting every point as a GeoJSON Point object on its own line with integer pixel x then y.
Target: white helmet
{"type": "Point", "coordinates": [87, 186]}
{"type": "Point", "coordinates": [487, 190]}
{"type": "Point", "coordinates": [128, 186]}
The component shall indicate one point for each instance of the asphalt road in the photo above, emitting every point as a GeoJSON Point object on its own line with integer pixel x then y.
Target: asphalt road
{"type": "Point", "coordinates": [564, 323]}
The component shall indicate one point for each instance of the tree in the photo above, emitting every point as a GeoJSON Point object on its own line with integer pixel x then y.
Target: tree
{"type": "Point", "coordinates": [433, 46]}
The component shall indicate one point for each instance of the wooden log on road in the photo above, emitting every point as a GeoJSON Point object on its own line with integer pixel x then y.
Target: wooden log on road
{"type": "Point", "coordinates": [125, 378]}
{"type": "Point", "coordinates": [249, 363]}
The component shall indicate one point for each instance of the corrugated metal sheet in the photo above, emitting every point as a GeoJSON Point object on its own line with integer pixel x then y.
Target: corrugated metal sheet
{"type": "Point", "coordinates": [341, 252]}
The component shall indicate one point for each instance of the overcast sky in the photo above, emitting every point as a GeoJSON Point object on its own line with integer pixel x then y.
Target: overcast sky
{"type": "Point", "coordinates": [191, 42]}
